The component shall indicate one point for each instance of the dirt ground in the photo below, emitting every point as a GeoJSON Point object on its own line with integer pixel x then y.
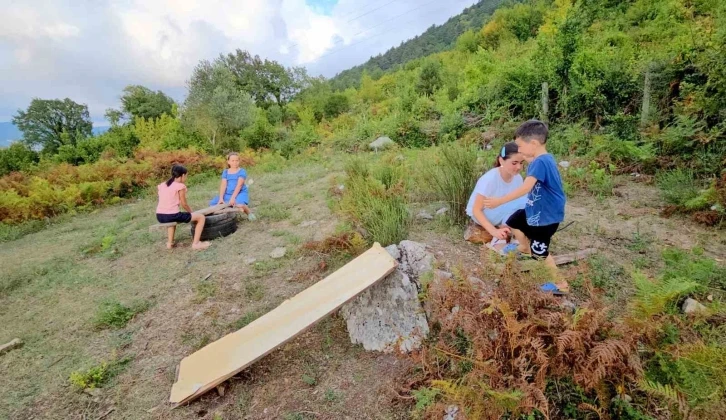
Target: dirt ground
{"type": "Point", "coordinates": [61, 279]}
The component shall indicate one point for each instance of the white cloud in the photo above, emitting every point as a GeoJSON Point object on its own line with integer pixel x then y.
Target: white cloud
{"type": "Point", "coordinates": [89, 51]}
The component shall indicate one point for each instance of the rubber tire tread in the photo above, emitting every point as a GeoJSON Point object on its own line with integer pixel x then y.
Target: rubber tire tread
{"type": "Point", "coordinates": [215, 219]}
{"type": "Point", "coordinates": [217, 231]}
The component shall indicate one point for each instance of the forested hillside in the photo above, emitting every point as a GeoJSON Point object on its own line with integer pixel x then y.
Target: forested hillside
{"type": "Point", "coordinates": [433, 40]}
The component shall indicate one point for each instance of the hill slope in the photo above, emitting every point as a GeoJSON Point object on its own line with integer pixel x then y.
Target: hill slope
{"type": "Point", "coordinates": [433, 40]}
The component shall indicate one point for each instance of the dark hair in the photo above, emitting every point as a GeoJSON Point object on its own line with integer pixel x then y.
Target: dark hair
{"type": "Point", "coordinates": [230, 154]}
{"type": "Point", "coordinates": [506, 152]}
{"type": "Point", "coordinates": [176, 172]}
{"type": "Point", "coordinates": [532, 130]}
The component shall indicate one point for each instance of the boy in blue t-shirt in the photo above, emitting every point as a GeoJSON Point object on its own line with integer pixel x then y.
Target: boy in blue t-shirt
{"type": "Point", "coordinates": [534, 226]}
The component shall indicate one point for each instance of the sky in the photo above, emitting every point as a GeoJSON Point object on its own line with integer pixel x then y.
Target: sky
{"type": "Point", "coordinates": [89, 50]}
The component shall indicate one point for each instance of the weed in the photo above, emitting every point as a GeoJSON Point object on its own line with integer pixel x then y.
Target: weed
{"type": "Point", "coordinates": [606, 275]}
{"type": "Point", "coordinates": [255, 291]}
{"type": "Point", "coordinates": [273, 212]}
{"type": "Point", "coordinates": [264, 267]}
{"type": "Point", "coordinates": [677, 186]}
{"type": "Point", "coordinates": [99, 375]}
{"type": "Point", "coordinates": [194, 340]}
{"type": "Point", "coordinates": [113, 314]}
{"type": "Point", "coordinates": [425, 397]}
{"type": "Point", "coordinates": [204, 291]}
{"type": "Point", "coordinates": [595, 179]}
{"type": "Point", "coordinates": [693, 266]}
{"type": "Point", "coordinates": [331, 395]}
{"type": "Point", "coordinates": [308, 379]}
{"type": "Point", "coordinates": [454, 177]}
{"type": "Point", "coordinates": [290, 237]}
{"type": "Point", "coordinates": [245, 320]}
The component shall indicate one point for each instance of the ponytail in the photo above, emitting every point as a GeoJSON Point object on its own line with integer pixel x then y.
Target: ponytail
{"type": "Point", "coordinates": [176, 172]}
{"type": "Point", "coordinates": [506, 153]}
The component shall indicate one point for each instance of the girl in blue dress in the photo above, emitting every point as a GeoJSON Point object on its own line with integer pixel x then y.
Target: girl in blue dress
{"type": "Point", "coordinates": [233, 188]}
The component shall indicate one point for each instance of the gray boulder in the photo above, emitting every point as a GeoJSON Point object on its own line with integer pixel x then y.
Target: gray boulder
{"type": "Point", "coordinates": [381, 143]}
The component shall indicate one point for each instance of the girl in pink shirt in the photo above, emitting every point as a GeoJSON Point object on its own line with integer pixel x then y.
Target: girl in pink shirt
{"type": "Point", "coordinates": [172, 194]}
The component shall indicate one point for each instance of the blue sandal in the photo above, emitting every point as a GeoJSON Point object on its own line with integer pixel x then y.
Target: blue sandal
{"type": "Point", "coordinates": [552, 288]}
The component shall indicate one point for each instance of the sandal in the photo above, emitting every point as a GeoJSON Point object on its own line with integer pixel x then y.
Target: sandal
{"type": "Point", "coordinates": [554, 289]}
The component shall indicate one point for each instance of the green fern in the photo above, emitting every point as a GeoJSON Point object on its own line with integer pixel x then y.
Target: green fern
{"type": "Point", "coordinates": [653, 296]}
{"type": "Point", "coordinates": [660, 390]}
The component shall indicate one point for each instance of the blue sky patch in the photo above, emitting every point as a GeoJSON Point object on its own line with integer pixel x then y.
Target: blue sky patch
{"type": "Point", "coordinates": [323, 7]}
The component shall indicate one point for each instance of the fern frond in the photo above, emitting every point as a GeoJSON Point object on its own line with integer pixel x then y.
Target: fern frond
{"type": "Point", "coordinates": [653, 296]}
{"type": "Point", "coordinates": [590, 407]}
{"type": "Point", "coordinates": [660, 390]}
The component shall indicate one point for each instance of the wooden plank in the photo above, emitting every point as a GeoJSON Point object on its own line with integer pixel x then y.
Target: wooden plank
{"type": "Point", "coordinates": [15, 343]}
{"type": "Point", "coordinates": [217, 208]}
{"type": "Point", "coordinates": [160, 226]}
{"type": "Point", "coordinates": [211, 209]}
{"type": "Point", "coordinates": [229, 210]}
{"type": "Point", "coordinates": [219, 361]}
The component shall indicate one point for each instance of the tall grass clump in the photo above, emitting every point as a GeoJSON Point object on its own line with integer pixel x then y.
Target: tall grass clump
{"type": "Point", "coordinates": [677, 186]}
{"type": "Point", "coordinates": [378, 206]}
{"type": "Point", "coordinates": [454, 176]}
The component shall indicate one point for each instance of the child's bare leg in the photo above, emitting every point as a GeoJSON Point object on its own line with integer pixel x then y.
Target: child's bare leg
{"type": "Point", "coordinates": [200, 220]}
{"type": "Point", "coordinates": [244, 208]}
{"type": "Point", "coordinates": [523, 246]}
{"type": "Point", "coordinates": [170, 237]}
{"type": "Point", "coordinates": [561, 283]}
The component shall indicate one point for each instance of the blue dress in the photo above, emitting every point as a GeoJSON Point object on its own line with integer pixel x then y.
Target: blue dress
{"type": "Point", "coordinates": [232, 180]}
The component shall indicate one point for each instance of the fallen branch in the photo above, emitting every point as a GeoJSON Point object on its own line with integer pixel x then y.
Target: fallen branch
{"type": "Point", "coordinates": [14, 344]}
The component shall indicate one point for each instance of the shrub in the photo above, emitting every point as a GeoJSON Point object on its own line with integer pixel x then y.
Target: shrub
{"type": "Point", "coordinates": [454, 176]}
{"type": "Point", "coordinates": [380, 211]}
{"type": "Point", "coordinates": [677, 186]}
{"type": "Point", "coordinates": [17, 157]}
{"type": "Point", "coordinates": [99, 375]}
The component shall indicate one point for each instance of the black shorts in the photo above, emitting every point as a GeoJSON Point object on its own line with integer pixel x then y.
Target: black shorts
{"type": "Point", "coordinates": [539, 236]}
{"type": "Point", "coordinates": [180, 217]}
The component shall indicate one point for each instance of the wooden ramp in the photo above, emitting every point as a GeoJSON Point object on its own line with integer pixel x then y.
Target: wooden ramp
{"type": "Point", "coordinates": [219, 361]}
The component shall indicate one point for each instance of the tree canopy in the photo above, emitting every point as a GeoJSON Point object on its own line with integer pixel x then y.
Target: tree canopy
{"type": "Point", "coordinates": [141, 102]}
{"type": "Point", "coordinates": [52, 123]}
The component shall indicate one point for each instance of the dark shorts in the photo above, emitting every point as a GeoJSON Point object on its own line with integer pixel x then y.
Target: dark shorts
{"type": "Point", "coordinates": [181, 217]}
{"type": "Point", "coordinates": [539, 236]}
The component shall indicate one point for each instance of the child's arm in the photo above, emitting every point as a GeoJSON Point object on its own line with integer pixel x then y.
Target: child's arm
{"type": "Point", "coordinates": [237, 189]}
{"type": "Point", "coordinates": [183, 200]}
{"type": "Point", "coordinates": [526, 187]}
{"type": "Point", "coordinates": [222, 188]}
{"type": "Point", "coordinates": [484, 222]}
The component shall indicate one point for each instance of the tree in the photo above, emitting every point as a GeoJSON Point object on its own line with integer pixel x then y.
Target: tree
{"type": "Point", "coordinates": [216, 108]}
{"type": "Point", "coordinates": [142, 102]}
{"type": "Point", "coordinates": [267, 81]}
{"type": "Point", "coordinates": [430, 78]}
{"type": "Point", "coordinates": [113, 116]}
{"type": "Point", "coordinates": [17, 157]}
{"type": "Point", "coordinates": [51, 123]}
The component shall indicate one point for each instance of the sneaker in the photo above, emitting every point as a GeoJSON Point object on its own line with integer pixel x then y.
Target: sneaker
{"type": "Point", "coordinates": [251, 217]}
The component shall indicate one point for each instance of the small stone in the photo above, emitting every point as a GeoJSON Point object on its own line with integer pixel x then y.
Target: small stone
{"type": "Point", "coordinates": [568, 305]}
{"type": "Point", "coordinates": [250, 260]}
{"type": "Point", "coordinates": [250, 181]}
{"type": "Point", "coordinates": [564, 164]}
{"type": "Point", "coordinates": [441, 211]}
{"type": "Point", "coordinates": [424, 215]}
{"type": "Point", "coordinates": [237, 287]}
{"type": "Point", "coordinates": [381, 143]}
{"type": "Point", "coordinates": [691, 306]}
{"type": "Point", "coordinates": [488, 146]}
{"type": "Point", "coordinates": [308, 223]}
{"type": "Point", "coordinates": [198, 314]}
{"type": "Point", "coordinates": [451, 412]}
{"type": "Point", "coordinates": [709, 298]}
{"type": "Point", "coordinates": [493, 335]}
{"type": "Point", "coordinates": [234, 311]}
{"type": "Point", "coordinates": [220, 390]}
{"type": "Point", "coordinates": [278, 252]}
{"type": "Point", "coordinates": [444, 275]}
{"type": "Point", "coordinates": [94, 392]}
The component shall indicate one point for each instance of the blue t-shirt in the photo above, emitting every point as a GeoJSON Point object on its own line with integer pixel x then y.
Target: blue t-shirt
{"type": "Point", "coordinates": [546, 202]}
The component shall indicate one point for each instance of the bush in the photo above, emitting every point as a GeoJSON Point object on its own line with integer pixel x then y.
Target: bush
{"type": "Point", "coordinates": [408, 133]}
{"type": "Point", "coordinates": [17, 157]}
{"type": "Point", "coordinates": [261, 134]}
{"type": "Point", "coordinates": [379, 210]}
{"type": "Point", "coordinates": [115, 315]}
{"type": "Point", "coordinates": [99, 375]}
{"type": "Point", "coordinates": [454, 176]}
{"type": "Point", "coordinates": [677, 186]}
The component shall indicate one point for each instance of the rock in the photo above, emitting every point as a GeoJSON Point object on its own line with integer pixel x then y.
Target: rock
{"type": "Point", "coordinates": [393, 252]}
{"type": "Point", "coordinates": [341, 187]}
{"type": "Point", "coordinates": [415, 260]}
{"type": "Point", "coordinates": [709, 298]}
{"type": "Point", "coordinates": [94, 392]}
{"type": "Point", "coordinates": [451, 412]}
{"type": "Point", "coordinates": [568, 305]}
{"type": "Point", "coordinates": [387, 317]}
{"type": "Point", "coordinates": [488, 146]}
{"type": "Point", "coordinates": [250, 260]}
{"type": "Point", "coordinates": [381, 143]}
{"type": "Point", "coordinates": [476, 234]}
{"type": "Point", "coordinates": [564, 164]}
{"type": "Point", "coordinates": [308, 223]}
{"type": "Point", "coordinates": [443, 275]}
{"type": "Point", "coordinates": [488, 136]}
{"type": "Point", "coordinates": [441, 211]}
{"type": "Point", "coordinates": [424, 215]}
{"type": "Point", "coordinates": [278, 252]}
{"type": "Point", "coordinates": [691, 306]}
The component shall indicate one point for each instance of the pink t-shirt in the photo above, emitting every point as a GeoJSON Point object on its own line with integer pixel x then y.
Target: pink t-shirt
{"type": "Point", "coordinates": [169, 197]}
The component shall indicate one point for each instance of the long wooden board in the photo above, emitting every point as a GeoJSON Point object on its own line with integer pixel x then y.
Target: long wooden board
{"type": "Point", "coordinates": [564, 258]}
{"type": "Point", "coordinates": [217, 208]}
{"type": "Point", "coordinates": [222, 359]}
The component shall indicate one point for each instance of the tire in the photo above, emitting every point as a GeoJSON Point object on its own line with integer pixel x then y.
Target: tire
{"type": "Point", "coordinates": [215, 219]}
{"type": "Point", "coordinates": [218, 230]}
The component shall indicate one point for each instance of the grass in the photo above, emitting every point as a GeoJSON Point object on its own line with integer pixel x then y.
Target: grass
{"type": "Point", "coordinates": [113, 314]}
{"type": "Point", "coordinates": [677, 186]}
{"type": "Point", "coordinates": [454, 176]}
{"type": "Point", "coordinates": [255, 291]}
{"type": "Point", "coordinates": [204, 291]}
{"type": "Point", "coordinates": [273, 212]}
{"type": "Point", "coordinates": [245, 320]}
{"type": "Point", "coordinates": [99, 375]}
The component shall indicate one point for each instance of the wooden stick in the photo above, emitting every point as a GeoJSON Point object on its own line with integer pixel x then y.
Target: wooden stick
{"type": "Point", "coordinates": [566, 258]}
{"type": "Point", "coordinates": [15, 343]}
